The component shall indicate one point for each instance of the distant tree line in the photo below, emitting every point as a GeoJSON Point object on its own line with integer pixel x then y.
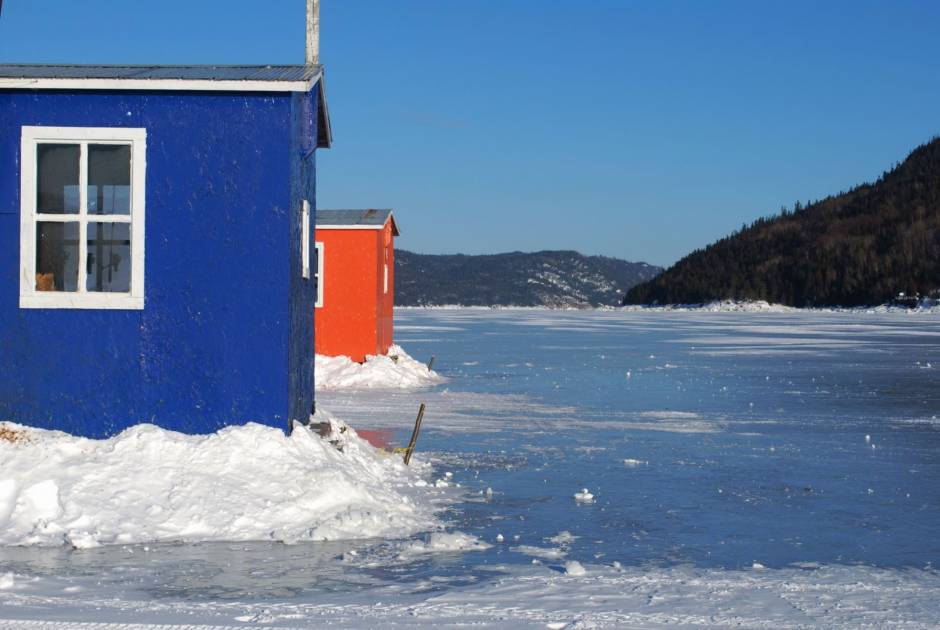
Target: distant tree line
{"type": "Point", "coordinates": [860, 247]}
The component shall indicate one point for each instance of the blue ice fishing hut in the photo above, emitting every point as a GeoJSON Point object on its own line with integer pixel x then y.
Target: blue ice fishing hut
{"type": "Point", "coordinates": [155, 238]}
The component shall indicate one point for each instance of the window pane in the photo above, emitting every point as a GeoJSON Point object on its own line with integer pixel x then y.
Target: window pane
{"type": "Point", "coordinates": [56, 256]}
{"type": "Point", "coordinates": [57, 190]}
{"type": "Point", "coordinates": [109, 179]}
{"type": "Point", "coordinates": [109, 258]}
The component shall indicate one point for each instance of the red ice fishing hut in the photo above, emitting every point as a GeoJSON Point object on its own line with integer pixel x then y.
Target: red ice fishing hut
{"type": "Point", "coordinates": [355, 282]}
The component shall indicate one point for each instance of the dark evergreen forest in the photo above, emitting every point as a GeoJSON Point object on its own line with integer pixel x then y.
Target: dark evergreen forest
{"type": "Point", "coordinates": [860, 247]}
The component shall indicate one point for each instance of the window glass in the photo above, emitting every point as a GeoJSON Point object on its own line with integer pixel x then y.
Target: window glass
{"type": "Point", "coordinates": [109, 258]}
{"type": "Point", "coordinates": [56, 256]}
{"type": "Point", "coordinates": [109, 179]}
{"type": "Point", "coordinates": [57, 172]}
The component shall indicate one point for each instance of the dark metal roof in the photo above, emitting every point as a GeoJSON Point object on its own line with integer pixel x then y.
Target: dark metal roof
{"type": "Point", "coordinates": [364, 218]}
{"type": "Point", "coordinates": [182, 73]}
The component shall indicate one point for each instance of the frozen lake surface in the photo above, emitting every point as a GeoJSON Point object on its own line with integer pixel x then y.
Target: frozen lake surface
{"type": "Point", "coordinates": [747, 469]}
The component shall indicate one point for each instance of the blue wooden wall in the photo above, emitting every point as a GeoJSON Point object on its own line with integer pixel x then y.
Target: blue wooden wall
{"type": "Point", "coordinates": [223, 337]}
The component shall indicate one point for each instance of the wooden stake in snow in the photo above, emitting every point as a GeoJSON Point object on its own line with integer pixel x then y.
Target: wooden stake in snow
{"type": "Point", "coordinates": [414, 435]}
{"type": "Point", "coordinates": [313, 32]}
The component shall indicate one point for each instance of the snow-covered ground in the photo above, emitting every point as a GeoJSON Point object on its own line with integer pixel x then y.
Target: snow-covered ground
{"type": "Point", "coordinates": [756, 470]}
{"type": "Point", "coordinates": [397, 370]}
{"type": "Point", "coordinates": [541, 596]}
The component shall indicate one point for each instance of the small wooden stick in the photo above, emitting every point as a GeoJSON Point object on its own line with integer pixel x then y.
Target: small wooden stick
{"type": "Point", "coordinates": [431, 363]}
{"type": "Point", "coordinates": [414, 435]}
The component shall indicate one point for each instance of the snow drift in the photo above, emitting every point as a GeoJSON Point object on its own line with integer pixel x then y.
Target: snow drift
{"type": "Point", "coordinates": [395, 371]}
{"type": "Point", "coordinates": [242, 483]}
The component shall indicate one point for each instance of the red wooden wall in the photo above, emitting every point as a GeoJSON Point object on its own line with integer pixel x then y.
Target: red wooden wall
{"type": "Point", "coordinates": [356, 318]}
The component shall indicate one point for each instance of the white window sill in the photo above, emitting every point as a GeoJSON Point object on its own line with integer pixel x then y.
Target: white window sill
{"type": "Point", "coordinates": [104, 301]}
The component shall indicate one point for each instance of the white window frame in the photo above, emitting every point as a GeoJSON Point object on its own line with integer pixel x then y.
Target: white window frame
{"type": "Point", "coordinates": [305, 240]}
{"type": "Point", "coordinates": [385, 249]}
{"type": "Point", "coordinates": [319, 274]}
{"type": "Point", "coordinates": [29, 217]}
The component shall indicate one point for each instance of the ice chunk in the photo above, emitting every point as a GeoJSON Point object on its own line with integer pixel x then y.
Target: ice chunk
{"type": "Point", "coordinates": [563, 538]}
{"type": "Point", "coordinates": [548, 553]}
{"type": "Point", "coordinates": [584, 496]}
{"type": "Point", "coordinates": [442, 542]}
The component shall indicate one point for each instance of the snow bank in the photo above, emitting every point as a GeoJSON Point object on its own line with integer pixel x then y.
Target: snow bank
{"type": "Point", "coordinates": [395, 371]}
{"type": "Point", "coordinates": [243, 483]}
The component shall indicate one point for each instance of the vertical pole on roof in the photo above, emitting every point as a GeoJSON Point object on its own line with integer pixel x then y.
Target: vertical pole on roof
{"type": "Point", "coordinates": [313, 32]}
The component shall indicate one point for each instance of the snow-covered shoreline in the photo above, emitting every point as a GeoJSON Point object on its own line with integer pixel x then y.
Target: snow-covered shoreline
{"type": "Point", "coordinates": [760, 306]}
{"type": "Point", "coordinates": [717, 306]}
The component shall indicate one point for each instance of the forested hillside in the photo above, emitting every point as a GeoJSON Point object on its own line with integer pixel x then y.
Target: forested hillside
{"type": "Point", "coordinates": [860, 247]}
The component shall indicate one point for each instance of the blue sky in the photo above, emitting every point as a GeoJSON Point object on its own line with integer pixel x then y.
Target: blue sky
{"type": "Point", "coordinates": [640, 130]}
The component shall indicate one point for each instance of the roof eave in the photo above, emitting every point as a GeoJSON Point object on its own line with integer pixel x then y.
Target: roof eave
{"type": "Point", "coordinates": [324, 127]}
{"type": "Point", "coordinates": [193, 85]}
{"type": "Point", "coordinates": [363, 226]}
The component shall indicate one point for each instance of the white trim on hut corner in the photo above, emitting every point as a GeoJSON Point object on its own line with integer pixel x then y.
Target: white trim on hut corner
{"type": "Point", "coordinates": [179, 85]}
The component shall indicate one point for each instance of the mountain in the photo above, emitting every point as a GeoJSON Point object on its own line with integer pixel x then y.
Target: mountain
{"type": "Point", "coordinates": [861, 247]}
{"type": "Point", "coordinates": [549, 278]}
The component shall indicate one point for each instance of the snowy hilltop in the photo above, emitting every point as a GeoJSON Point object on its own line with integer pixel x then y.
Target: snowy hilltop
{"type": "Point", "coordinates": [556, 279]}
{"type": "Point", "coordinates": [397, 370]}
